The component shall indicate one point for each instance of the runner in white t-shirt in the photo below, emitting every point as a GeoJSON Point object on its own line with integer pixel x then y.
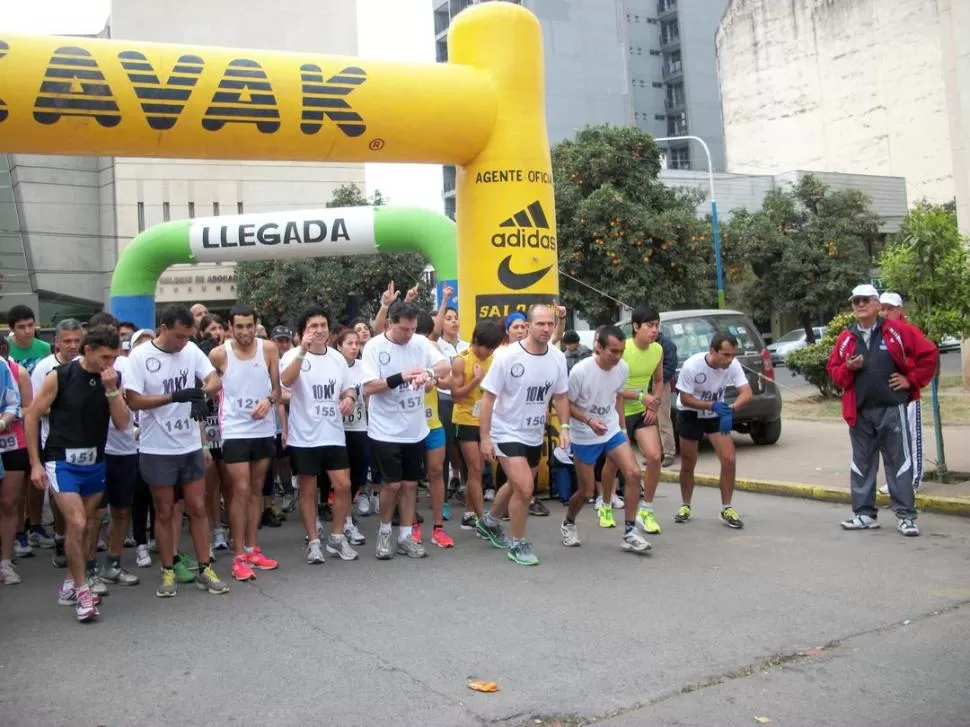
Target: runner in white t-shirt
{"type": "Point", "coordinates": [702, 410]}
{"type": "Point", "coordinates": [598, 428]}
{"type": "Point", "coordinates": [518, 388]}
{"type": "Point", "coordinates": [397, 367]}
{"type": "Point", "coordinates": [250, 371]}
{"type": "Point", "coordinates": [162, 384]}
{"type": "Point", "coordinates": [322, 393]}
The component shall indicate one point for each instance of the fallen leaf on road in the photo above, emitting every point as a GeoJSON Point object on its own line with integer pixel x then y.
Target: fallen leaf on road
{"type": "Point", "coordinates": [482, 686]}
{"type": "Point", "coordinates": [762, 720]}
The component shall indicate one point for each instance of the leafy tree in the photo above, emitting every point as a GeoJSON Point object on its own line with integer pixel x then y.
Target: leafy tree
{"type": "Point", "coordinates": [802, 251]}
{"type": "Point", "coordinates": [624, 233]}
{"type": "Point", "coordinates": [810, 361]}
{"type": "Point", "coordinates": [346, 286]}
{"type": "Point", "coordinates": [928, 262]}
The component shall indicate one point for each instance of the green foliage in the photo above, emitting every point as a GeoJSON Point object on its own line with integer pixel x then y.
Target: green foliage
{"type": "Point", "coordinates": [280, 289]}
{"type": "Point", "coordinates": [810, 361]}
{"type": "Point", "coordinates": [623, 232]}
{"type": "Point", "coordinates": [802, 251]}
{"type": "Point", "coordinates": [929, 264]}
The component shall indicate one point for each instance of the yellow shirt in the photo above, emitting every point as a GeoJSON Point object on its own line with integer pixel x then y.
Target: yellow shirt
{"type": "Point", "coordinates": [431, 408]}
{"type": "Point", "coordinates": [466, 411]}
{"type": "Point", "coordinates": [643, 364]}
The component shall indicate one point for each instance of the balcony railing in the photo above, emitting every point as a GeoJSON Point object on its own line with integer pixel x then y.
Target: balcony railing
{"type": "Point", "coordinates": [673, 69]}
{"type": "Point", "coordinates": [665, 7]}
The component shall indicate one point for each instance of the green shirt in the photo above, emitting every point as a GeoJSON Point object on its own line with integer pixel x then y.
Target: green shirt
{"type": "Point", "coordinates": [643, 363]}
{"type": "Point", "coordinates": [28, 357]}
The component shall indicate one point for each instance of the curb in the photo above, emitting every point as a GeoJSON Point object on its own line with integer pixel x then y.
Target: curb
{"type": "Point", "coordinates": [929, 503]}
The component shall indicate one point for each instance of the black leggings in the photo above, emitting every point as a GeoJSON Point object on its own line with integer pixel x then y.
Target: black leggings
{"type": "Point", "coordinates": [357, 454]}
{"type": "Point", "coordinates": [142, 512]}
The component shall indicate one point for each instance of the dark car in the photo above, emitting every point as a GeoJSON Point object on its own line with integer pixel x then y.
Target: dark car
{"type": "Point", "coordinates": [692, 331]}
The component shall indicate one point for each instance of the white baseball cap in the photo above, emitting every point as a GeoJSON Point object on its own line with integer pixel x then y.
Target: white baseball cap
{"type": "Point", "coordinates": [893, 299]}
{"type": "Point", "coordinates": [864, 291]}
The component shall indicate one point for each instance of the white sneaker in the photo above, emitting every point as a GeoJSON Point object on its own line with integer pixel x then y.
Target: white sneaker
{"type": "Point", "coordinates": [22, 551]}
{"type": "Point", "coordinates": [353, 535]}
{"type": "Point", "coordinates": [8, 576]}
{"type": "Point", "coordinates": [319, 529]}
{"type": "Point", "coordinates": [363, 505]}
{"type": "Point", "coordinates": [314, 555]}
{"type": "Point", "coordinates": [860, 522]}
{"type": "Point", "coordinates": [617, 502]}
{"type": "Point", "coordinates": [570, 536]}
{"type": "Point", "coordinates": [219, 539]}
{"type": "Point", "coordinates": [598, 503]}
{"type": "Point", "coordinates": [102, 546]}
{"type": "Point", "coordinates": [633, 542]}
{"type": "Point", "coordinates": [489, 494]}
{"type": "Point", "coordinates": [337, 545]}
{"type": "Point", "coordinates": [906, 526]}
{"type": "Point", "coordinates": [142, 558]}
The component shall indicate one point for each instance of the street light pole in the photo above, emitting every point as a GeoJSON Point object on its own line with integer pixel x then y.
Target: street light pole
{"type": "Point", "coordinates": [714, 224]}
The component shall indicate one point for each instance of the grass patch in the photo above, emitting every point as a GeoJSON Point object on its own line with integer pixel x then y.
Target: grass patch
{"type": "Point", "coordinates": [954, 409]}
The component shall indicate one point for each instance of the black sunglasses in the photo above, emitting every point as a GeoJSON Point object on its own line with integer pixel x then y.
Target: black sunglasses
{"type": "Point", "coordinates": [862, 299]}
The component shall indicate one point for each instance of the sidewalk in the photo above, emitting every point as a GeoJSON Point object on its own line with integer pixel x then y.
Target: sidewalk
{"type": "Point", "coordinates": [811, 460]}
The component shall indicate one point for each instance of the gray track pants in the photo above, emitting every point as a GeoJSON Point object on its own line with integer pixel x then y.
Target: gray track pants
{"type": "Point", "coordinates": [882, 430]}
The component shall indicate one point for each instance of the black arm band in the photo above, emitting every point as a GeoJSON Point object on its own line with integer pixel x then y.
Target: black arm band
{"type": "Point", "coordinates": [394, 381]}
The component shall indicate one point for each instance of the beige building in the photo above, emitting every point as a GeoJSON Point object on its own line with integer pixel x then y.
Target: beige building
{"type": "Point", "coordinates": [145, 192]}
{"type": "Point", "coordinates": [854, 86]}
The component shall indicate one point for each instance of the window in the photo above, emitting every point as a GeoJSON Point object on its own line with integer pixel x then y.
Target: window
{"type": "Point", "coordinates": [655, 53]}
{"type": "Point", "coordinates": [166, 212]}
{"type": "Point", "coordinates": [239, 208]}
{"type": "Point", "coordinates": [141, 216]}
{"type": "Point", "coordinates": [215, 209]}
{"type": "Point", "coordinates": [441, 51]}
{"type": "Point", "coordinates": [192, 210]}
{"type": "Point", "coordinates": [659, 117]}
{"type": "Point", "coordinates": [679, 158]}
{"type": "Point", "coordinates": [657, 84]}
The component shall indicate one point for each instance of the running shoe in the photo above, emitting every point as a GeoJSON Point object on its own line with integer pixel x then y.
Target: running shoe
{"type": "Point", "coordinates": [314, 556]}
{"type": "Point", "coordinates": [337, 545]}
{"type": "Point", "coordinates": [446, 512]}
{"type": "Point", "coordinates": [182, 571]}
{"type": "Point", "coordinates": [59, 558]}
{"type": "Point", "coordinates": [606, 517]}
{"type": "Point", "coordinates": [440, 537]}
{"type": "Point", "coordinates": [257, 560]}
{"type": "Point", "coordinates": [489, 495]}
{"type": "Point", "coordinates": [241, 570]}
{"type": "Point", "coordinates": [167, 588]}
{"type": "Point", "coordinates": [102, 545]}
{"type": "Point", "coordinates": [287, 503]}
{"type": "Point", "coordinates": [84, 607]}
{"type": "Point", "coordinates": [537, 509]}
{"type": "Point", "coordinates": [129, 541]}
{"type": "Point", "coordinates": [219, 541]}
{"type": "Point", "coordinates": [468, 522]}
{"type": "Point", "coordinates": [8, 576]}
{"type": "Point", "coordinates": [683, 514]}
{"type": "Point", "coordinates": [884, 488]}
{"type": "Point", "coordinates": [190, 562]}
{"type": "Point", "coordinates": [617, 502]}
{"type": "Point", "coordinates": [907, 527]}
{"type": "Point", "coordinates": [598, 503]}
{"type": "Point", "coordinates": [269, 519]}
{"type": "Point", "coordinates": [633, 542]}
{"type": "Point", "coordinates": [375, 503]}
{"type": "Point", "coordinates": [860, 522]}
{"type": "Point", "coordinates": [363, 505]}
{"type": "Point", "coordinates": [96, 583]}
{"type": "Point", "coordinates": [411, 548]}
{"type": "Point", "coordinates": [730, 517]}
{"type": "Point", "coordinates": [353, 534]}
{"type": "Point", "coordinates": [521, 553]}
{"type": "Point", "coordinates": [416, 532]}
{"type": "Point", "coordinates": [21, 547]}
{"type": "Point", "coordinates": [67, 596]}
{"type": "Point", "coordinates": [648, 521]}
{"type": "Point", "coordinates": [143, 558]}
{"type": "Point", "coordinates": [38, 537]}
{"type": "Point", "coordinates": [570, 535]}
{"type": "Point", "coordinates": [207, 580]}
{"type": "Point", "coordinates": [119, 576]}
{"type": "Point", "coordinates": [668, 460]}
{"type": "Point", "coordinates": [384, 549]}
{"type": "Point", "coordinates": [493, 533]}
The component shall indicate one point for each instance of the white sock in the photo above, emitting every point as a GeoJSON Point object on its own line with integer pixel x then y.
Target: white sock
{"type": "Point", "coordinates": [349, 522]}
{"type": "Point", "coordinates": [723, 506]}
{"type": "Point", "coordinates": [468, 513]}
{"type": "Point", "coordinates": [315, 540]}
{"type": "Point", "coordinates": [385, 527]}
{"type": "Point", "coordinates": [646, 505]}
{"type": "Point", "coordinates": [403, 533]}
{"type": "Point", "coordinates": [247, 550]}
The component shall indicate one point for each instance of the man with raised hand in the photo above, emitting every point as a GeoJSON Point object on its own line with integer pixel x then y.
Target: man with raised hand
{"type": "Point", "coordinates": [518, 388]}
{"type": "Point", "coordinates": [250, 371]}
{"type": "Point", "coordinates": [397, 366]}
{"type": "Point", "coordinates": [164, 373]}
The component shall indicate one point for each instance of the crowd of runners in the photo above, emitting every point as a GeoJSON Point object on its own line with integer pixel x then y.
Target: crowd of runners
{"type": "Point", "coordinates": [211, 422]}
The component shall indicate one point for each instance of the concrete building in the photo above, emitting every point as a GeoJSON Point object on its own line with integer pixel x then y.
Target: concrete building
{"type": "Point", "coordinates": [648, 63]}
{"type": "Point", "coordinates": [65, 220]}
{"type": "Point", "coordinates": [854, 86]}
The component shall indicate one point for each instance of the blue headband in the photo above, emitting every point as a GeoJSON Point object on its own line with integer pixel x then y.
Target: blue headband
{"type": "Point", "coordinates": [513, 318]}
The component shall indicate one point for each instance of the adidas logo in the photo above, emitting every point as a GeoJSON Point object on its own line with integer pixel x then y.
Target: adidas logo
{"type": "Point", "coordinates": [532, 217]}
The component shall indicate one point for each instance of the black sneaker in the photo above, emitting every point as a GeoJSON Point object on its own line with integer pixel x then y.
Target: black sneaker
{"type": "Point", "coordinates": [269, 519]}
{"type": "Point", "coordinates": [537, 509]}
{"type": "Point", "coordinates": [468, 522]}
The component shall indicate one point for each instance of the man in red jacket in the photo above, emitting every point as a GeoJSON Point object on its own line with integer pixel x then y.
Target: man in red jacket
{"type": "Point", "coordinates": [880, 365]}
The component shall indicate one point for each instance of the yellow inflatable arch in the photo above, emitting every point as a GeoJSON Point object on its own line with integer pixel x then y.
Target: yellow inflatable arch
{"type": "Point", "coordinates": [482, 111]}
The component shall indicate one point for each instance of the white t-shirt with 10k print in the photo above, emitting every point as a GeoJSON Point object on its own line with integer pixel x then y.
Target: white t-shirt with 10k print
{"type": "Point", "coordinates": [523, 384]}
{"type": "Point", "coordinates": [314, 419]}
{"type": "Point", "coordinates": [398, 415]}
{"type": "Point", "coordinates": [169, 429]}
{"type": "Point", "coordinates": [699, 380]}
{"type": "Point", "coordinates": [594, 391]}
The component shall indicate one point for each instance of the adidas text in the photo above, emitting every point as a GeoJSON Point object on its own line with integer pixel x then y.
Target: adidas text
{"type": "Point", "coordinates": [524, 239]}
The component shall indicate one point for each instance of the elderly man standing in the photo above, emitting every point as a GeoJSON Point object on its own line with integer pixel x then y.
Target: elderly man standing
{"type": "Point", "coordinates": [880, 365]}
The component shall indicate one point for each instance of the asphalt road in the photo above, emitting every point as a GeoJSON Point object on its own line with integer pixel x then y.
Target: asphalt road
{"type": "Point", "coordinates": [704, 631]}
